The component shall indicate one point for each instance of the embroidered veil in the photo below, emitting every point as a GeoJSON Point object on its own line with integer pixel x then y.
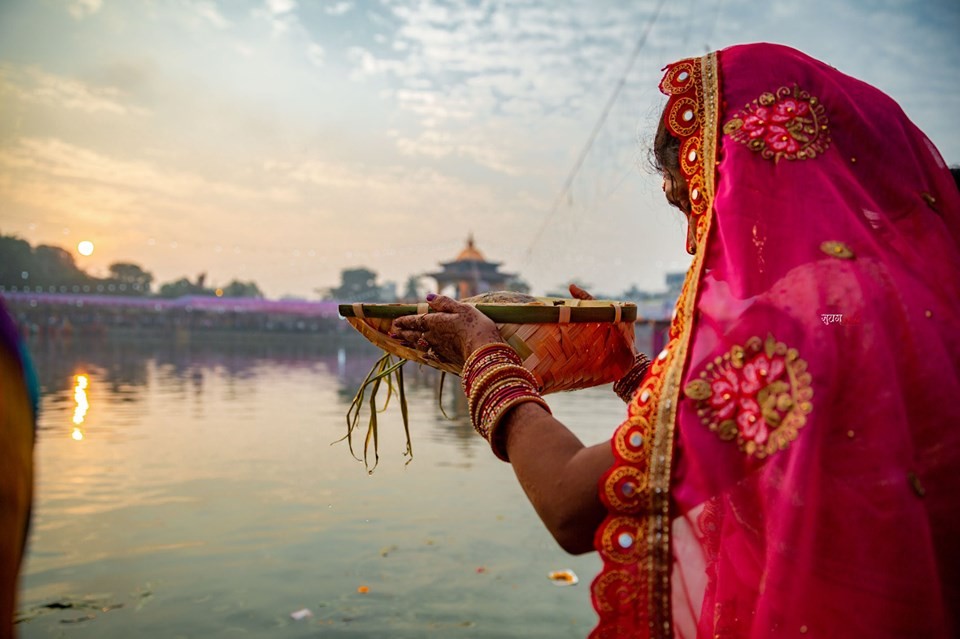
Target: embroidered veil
{"type": "Point", "coordinates": [790, 466]}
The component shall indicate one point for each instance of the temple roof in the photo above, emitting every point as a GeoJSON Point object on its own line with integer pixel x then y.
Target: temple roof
{"type": "Point", "coordinates": [471, 266]}
{"type": "Point", "coordinates": [470, 252]}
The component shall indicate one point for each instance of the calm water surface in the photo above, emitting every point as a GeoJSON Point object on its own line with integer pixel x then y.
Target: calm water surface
{"type": "Point", "coordinates": [191, 491]}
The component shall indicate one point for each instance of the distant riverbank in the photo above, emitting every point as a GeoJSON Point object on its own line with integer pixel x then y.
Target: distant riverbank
{"type": "Point", "coordinates": [183, 319]}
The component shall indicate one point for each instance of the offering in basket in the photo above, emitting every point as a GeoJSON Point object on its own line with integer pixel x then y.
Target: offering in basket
{"type": "Point", "coordinates": [566, 343]}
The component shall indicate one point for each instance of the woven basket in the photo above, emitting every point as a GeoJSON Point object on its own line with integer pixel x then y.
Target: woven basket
{"type": "Point", "coordinates": [566, 343]}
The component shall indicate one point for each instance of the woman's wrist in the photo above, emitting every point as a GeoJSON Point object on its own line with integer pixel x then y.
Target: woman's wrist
{"type": "Point", "coordinates": [510, 421]}
{"type": "Point", "coordinates": [473, 344]}
{"type": "Point", "coordinates": [626, 385]}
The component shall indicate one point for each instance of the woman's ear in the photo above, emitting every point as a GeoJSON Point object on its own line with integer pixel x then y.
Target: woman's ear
{"type": "Point", "coordinates": [675, 189]}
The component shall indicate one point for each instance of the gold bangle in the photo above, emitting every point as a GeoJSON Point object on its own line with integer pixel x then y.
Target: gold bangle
{"type": "Point", "coordinates": [480, 406]}
{"type": "Point", "coordinates": [496, 371]}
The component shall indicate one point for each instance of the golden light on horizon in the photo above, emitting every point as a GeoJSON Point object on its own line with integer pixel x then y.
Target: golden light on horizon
{"type": "Point", "coordinates": [85, 248]}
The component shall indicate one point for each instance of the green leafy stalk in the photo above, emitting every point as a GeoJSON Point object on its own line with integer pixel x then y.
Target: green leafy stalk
{"type": "Point", "coordinates": [403, 413]}
{"type": "Point", "coordinates": [353, 413]}
{"type": "Point", "coordinates": [372, 432]}
{"type": "Point", "coordinates": [443, 378]}
{"type": "Point", "coordinates": [383, 371]}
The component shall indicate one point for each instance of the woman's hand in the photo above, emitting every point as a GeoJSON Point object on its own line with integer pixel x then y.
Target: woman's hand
{"type": "Point", "coordinates": [451, 332]}
{"type": "Point", "coordinates": [578, 293]}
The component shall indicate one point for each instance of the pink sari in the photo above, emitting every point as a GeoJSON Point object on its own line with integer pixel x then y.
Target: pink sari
{"type": "Point", "coordinates": [790, 467]}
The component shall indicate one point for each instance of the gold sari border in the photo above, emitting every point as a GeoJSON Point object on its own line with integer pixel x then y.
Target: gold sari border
{"type": "Point", "coordinates": [658, 529]}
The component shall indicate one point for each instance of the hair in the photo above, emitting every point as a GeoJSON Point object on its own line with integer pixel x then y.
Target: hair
{"type": "Point", "coordinates": [665, 158]}
{"type": "Point", "coordinates": [955, 172]}
{"type": "Point", "coordinates": [665, 155]}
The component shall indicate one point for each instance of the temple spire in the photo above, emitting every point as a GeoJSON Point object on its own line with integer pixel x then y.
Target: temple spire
{"type": "Point", "coordinates": [470, 273]}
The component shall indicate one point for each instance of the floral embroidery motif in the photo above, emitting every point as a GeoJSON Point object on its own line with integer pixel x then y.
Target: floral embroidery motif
{"type": "Point", "coordinates": [758, 394]}
{"type": "Point", "coordinates": [789, 124]}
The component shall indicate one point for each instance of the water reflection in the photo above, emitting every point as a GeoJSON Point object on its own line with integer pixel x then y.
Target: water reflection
{"type": "Point", "coordinates": [129, 373]}
{"type": "Point", "coordinates": [80, 396]}
{"type": "Point", "coordinates": [212, 485]}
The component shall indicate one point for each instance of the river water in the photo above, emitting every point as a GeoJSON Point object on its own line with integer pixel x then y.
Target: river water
{"type": "Point", "coordinates": [191, 490]}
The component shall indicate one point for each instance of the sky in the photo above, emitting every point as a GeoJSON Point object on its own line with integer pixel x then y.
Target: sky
{"type": "Point", "coordinates": [283, 141]}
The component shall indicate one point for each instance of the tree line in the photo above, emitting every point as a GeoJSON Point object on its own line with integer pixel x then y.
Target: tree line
{"type": "Point", "coordinates": [46, 268]}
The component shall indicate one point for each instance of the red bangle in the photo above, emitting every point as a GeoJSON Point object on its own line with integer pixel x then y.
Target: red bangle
{"type": "Point", "coordinates": [490, 395]}
{"type": "Point", "coordinates": [483, 359]}
{"type": "Point", "coordinates": [628, 384]}
{"type": "Point", "coordinates": [495, 381]}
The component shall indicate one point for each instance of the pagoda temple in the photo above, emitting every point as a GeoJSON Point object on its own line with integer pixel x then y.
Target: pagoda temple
{"type": "Point", "coordinates": [470, 273]}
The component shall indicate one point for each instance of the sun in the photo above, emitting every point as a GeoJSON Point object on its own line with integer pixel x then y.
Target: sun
{"type": "Point", "coordinates": [85, 248]}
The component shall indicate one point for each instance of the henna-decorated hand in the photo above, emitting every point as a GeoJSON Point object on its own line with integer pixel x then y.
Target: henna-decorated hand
{"type": "Point", "coordinates": [451, 332]}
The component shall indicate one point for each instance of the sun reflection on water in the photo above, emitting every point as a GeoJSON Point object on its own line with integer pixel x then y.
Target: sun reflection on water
{"type": "Point", "coordinates": [80, 412]}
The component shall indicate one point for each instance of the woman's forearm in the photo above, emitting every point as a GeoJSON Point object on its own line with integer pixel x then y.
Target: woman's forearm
{"type": "Point", "coordinates": [558, 473]}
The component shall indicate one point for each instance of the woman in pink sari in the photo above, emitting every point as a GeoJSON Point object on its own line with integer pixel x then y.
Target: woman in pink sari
{"type": "Point", "coordinates": [790, 463]}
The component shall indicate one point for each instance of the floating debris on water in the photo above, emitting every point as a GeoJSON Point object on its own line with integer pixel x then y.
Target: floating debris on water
{"type": "Point", "coordinates": [300, 615]}
{"type": "Point", "coordinates": [563, 577]}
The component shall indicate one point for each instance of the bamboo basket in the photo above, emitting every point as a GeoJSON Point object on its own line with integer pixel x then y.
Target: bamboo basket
{"type": "Point", "coordinates": [567, 344]}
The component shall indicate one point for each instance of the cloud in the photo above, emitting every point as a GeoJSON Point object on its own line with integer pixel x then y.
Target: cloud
{"type": "Point", "coordinates": [57, 176]}
{"type": "Point", "coordinates": [209, 12]}
{"type": "Point", "coordinates": [107, 184]}
{"type": "Point", "coordinates": [278, 7]}
{"type": "Point", "coordinates": [39, 87]}
{"type": "Point", "coordinates": [390, 192]}
{"type": "Point", "coordinates": [281, 15]}
{"type": "Point", "coordinates": [339, 8]}
{"type": "Point", "coordinates": [366, 64]}
{"type": "Point", "coordinates": [315, 54]}
{"type": "Point", "coordinates": [471, 75]}
{"type": "Point", "coordinates": [437, 144]}
{"type": "Point", "coordinates": [80, 9]}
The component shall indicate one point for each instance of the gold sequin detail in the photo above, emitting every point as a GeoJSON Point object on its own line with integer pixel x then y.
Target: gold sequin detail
{"type": "Point", "coordinates": [838, 250]}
